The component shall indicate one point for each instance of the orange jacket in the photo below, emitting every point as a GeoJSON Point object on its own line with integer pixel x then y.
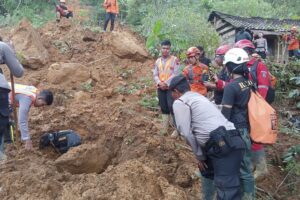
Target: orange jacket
{"type": "Point", "coordinates": [293, 41]}
{"type": "Point", "coordinates": [111, 6]}
{"type": "Point", "coordinates": [194, 74]}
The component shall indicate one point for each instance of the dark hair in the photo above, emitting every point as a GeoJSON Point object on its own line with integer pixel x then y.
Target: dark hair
{"type": "Point", "coordinates": [47, 95]}
{"type": "Point", "coordinates": [201, 49]}
{"type": "Point", "coordinates": [165, 43]}
{"type": "Point", "coordinates": [240, 69]}
{"type": "Point", "coordinates": [179, 83]}
{"type": "Point", "coordinates": [249, 50]}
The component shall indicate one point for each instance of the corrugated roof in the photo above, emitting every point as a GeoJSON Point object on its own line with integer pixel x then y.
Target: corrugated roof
{"type": "Point", "coordinates": [256, 23]}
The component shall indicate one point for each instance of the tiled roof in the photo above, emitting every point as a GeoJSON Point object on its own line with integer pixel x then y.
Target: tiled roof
{"type": "Point", "coordinates": [256, 23]}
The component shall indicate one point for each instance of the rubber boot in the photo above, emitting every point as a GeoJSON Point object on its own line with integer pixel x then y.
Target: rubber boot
{"type": "Point", "coordinates": [208, 189]}
{"type": "Point", "coordinates": [260, 163]}
{"type": "Point", "coordinates": [165, 123]}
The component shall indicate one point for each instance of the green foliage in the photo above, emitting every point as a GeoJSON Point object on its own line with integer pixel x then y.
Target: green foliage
{"type": "Point", "coordinates": [38, 12]}
{"type": "Point", "coordinates": [184, 26]}
{"type": "Point", "coordinates": [149, 101]}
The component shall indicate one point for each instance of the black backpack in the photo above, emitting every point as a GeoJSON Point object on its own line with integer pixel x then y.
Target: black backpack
{"type": "Point", "coordinates": [61, 141]}
{"type": "Point", "coordinates": [271, 90]}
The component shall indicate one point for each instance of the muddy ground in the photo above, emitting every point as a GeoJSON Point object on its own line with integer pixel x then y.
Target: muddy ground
{"type": "Point", "coordinates": [99, 80]}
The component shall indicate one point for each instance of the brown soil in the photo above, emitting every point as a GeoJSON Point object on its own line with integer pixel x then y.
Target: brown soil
{"type": "Point", "coordinates": [123, 155]}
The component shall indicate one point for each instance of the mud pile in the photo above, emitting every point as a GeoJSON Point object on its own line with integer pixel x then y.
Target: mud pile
{"type": "Point", "coordinates": [98, 80]}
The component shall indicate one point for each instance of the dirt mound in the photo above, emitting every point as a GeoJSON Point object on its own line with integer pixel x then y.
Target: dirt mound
{"type": "Point", "coordinates": [124, 45]}
{"type": "Point", "coordinates": [29, 46]}
{"type": "Point", "coordinates": [68, 74]}
{"type": "Point", "coordinates": [99, 81]}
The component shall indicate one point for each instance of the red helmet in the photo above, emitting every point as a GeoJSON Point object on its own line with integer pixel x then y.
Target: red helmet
{"type": "Point", "coordinates": [192, 51]}
{"type": "Point", "coordinates": [244, 44]}
{"type": "Point", "coordinates": [221, 50]}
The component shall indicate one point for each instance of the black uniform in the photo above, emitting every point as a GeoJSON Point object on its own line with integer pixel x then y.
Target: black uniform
{"type": "Point", "coordinates": [218, 94]}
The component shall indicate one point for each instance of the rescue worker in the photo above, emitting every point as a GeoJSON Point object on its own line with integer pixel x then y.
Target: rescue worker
{"type": "Point", "coordinates": [261, 45]}
{"type": "Point", "coordinates": [202, 58]}
{"type": "Point", "coordinates": [112, 10]}
{"type": "Point", "coordinates": [9, 58]}
{"type": "Point", "coordinates": [165, 68]}
{"type": "Point", "coordinates": [206, 130]}
{"type": "Point", "coordinates": [234, 108]}
{"type": "Point", "coordinates": [242, 34]}
{"type": "Point", "coordinates": [196, 72]}
{"type": "Point", "coordinates": [221, 79]}
{"type": "Point", "coordinates": [262, 83]}
{"type": "Point", "coordinates": [25, 97]}
{"type": "Point", "coordinates": [62, 10]}
{"type": "Point", "coordinates": [293, 43]}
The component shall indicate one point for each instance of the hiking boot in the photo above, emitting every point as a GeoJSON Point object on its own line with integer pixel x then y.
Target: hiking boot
{"type": "Point", "coordinates": [165, 123]}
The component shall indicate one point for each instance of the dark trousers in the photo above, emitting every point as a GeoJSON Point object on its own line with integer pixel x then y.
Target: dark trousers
{"type": "Point", "coordinates": [4, 116]}
{"type": "Point", "coordinates": [294, 53]}
{"type": "Point", "coordinates": [262, 54]}
{"type": "Point", "coordinates": [165, 101]}
{"type": "Point", "coordinates": [111, 17]}
{"type": "Point", "coordinates": [224, 163]}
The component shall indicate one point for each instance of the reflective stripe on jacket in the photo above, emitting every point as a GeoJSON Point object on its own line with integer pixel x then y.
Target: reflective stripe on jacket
{"type": "Point", "coordinates": [166, 69]}
{"type": "Point", "coordinates": [30, 91]}
{"type": "Point", "coordinates": [194, 75]}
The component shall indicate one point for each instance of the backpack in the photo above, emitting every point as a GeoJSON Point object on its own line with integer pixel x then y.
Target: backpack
{"type": "Point", "coordinates": [271, 90]}
{"type": "Point", "coordinates": [61, 141]}
{"type": "Point", "coordinates": [263, 119]}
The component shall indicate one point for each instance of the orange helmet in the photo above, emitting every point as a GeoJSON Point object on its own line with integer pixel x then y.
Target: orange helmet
{"type": "Point", "coordinates": [192, 51]}
{"type": "Point", "coordinates": [294, 29]}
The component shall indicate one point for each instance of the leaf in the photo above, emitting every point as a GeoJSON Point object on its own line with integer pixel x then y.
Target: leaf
{"type": "Point", "coordinates": [296, 80]}
{"type": "Point", "coordinates": [298, 105]}
{"type": "Point", "coordinates": [294, 93]}
{"type": "Point", "coordinates": [157, 27]}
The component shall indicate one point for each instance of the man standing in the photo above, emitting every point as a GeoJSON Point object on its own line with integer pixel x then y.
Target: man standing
{"type": "Point", "coordinates": [261, 46]}
{"type": "Point", "coordinates": [196, 72]}
{"type": "Point", "coordinates": [293, 42]}
{"type": "Point", "coordinates": [165, 68]}
{"type": "Point", "coordinates": [222, 78]}
{"type": "Point", "coordinates": [112, 10]}
{"type": "Point", "coordinates": [234, 108]}
{"type": "Point", "coordinates": [6, 57]}
{"type": "Point", "coordinates": [202, 58]}
{"type": "Point", "coordinates": [260, 75]}
{"type": "Point", "coordinates": [215, 142]}
{"type": "Point", "coordinates": [25, 97]}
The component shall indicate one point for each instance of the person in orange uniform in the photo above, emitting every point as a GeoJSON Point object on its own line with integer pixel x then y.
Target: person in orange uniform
{"type": "Point", "coordinates": [293, 42]}
{"type": "Point", "coordinates": [112, 10]}
{"type": "Point", "coordinates": [196, 72]}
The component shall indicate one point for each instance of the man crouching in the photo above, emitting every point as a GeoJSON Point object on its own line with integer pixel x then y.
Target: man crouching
{"type": "Point", "coordinates": [215, 142]}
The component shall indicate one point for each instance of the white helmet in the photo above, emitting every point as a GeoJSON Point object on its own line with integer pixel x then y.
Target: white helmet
{"type": "Point", "coordinates": [62, 1]}
{"type": "Point", "coordinates": [236, 56]}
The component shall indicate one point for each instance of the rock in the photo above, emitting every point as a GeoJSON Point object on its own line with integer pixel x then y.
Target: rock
{"type": "Point", "coordinates": [124, 45]}
{"type": "Point", "coordinates": [89, 36]}
{"type": "Point", "coordinates": [85, 158]}
{"type": "Point", "coordinates": [68, 74]}
{"type": "Point", "coordinates": [29, 46]}
{"type": "Point", "coordinates": [108, 92]}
